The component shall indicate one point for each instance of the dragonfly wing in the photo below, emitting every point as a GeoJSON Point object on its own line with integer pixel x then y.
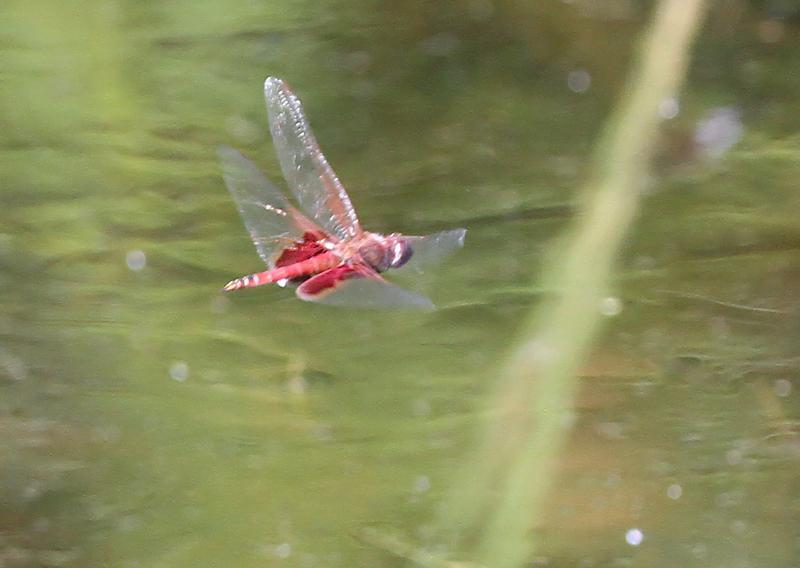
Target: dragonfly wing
{"type": "Point", "coordinates": [272, 222]}
{"type": "Point", "coordinates": [433, 248]}
{"type": "Point", "coordinates": [310, 177]}
{"type": "Point", "coordinates": [359, 286]}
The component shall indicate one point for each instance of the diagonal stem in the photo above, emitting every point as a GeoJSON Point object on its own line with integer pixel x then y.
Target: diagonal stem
{"type": "Point", "coordinates": [504, 494]}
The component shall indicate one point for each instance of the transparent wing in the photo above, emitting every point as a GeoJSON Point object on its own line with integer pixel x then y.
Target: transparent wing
{"type": "Point", "coordinates": [267, 214]}
{"type": "Point", "coordinates": [433, 248]}
{"type": "Point", "coordinates": [359, 286]}
{"type": "Point", "coordinates": [313, 182]}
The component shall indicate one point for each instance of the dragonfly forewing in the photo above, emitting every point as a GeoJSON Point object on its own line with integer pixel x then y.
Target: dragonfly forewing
{"type": "Point", "coordinates": [311, 179]}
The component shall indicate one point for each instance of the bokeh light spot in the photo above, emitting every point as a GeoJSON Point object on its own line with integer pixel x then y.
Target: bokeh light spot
{"type": "Point", "coordinates": [782, 388]}
{"type": "Point", "coordinates": [579, 80]}
{"type": "Point", "coordinates": [634, 537]}
{"type": "Point", "coordinates": [179, 371]}
{"type": "Point", "coordinates": [136, 260]}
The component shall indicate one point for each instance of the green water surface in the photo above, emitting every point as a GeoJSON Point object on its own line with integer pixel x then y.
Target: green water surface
{"type": "Point", "coordinates": [148, 420]}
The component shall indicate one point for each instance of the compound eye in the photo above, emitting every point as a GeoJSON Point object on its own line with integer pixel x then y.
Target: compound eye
{"type": "Point", "coordinates": [401, 253]}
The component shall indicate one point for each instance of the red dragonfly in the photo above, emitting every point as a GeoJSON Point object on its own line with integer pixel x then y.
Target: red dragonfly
{"type": "Point", "coordinates": [325, 251]}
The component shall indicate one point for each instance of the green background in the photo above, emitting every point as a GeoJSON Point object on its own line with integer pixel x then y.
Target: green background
{"type": "Point", "coordinates": [292, 427]}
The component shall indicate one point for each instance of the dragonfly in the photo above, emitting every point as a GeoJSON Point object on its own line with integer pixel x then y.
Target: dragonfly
{"type": "Point", "coordinates": [316, 241]}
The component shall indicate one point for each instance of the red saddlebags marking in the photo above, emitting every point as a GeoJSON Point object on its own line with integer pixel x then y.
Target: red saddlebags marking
{"type": "Point", "coordinates": [325, 251]}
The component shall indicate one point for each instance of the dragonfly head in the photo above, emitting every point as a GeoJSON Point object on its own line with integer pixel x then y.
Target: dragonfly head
{"type": "Point", "coordinates": [391, 251]}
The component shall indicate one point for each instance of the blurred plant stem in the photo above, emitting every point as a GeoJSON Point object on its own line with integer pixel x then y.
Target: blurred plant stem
{"type": "Point", "coordinates": [502, 496]}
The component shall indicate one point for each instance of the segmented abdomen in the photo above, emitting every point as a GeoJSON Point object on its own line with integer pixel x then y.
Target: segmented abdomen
{"type": "Point", "coordinates": [307, 267]}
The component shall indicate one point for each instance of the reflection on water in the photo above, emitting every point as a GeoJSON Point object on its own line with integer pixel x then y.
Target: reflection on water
{"type": "Point", "coordinates": [147, 420]}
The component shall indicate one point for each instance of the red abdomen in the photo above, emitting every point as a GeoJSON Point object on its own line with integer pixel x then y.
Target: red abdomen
{"type": "Point", "coordinates": [307, 267]}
